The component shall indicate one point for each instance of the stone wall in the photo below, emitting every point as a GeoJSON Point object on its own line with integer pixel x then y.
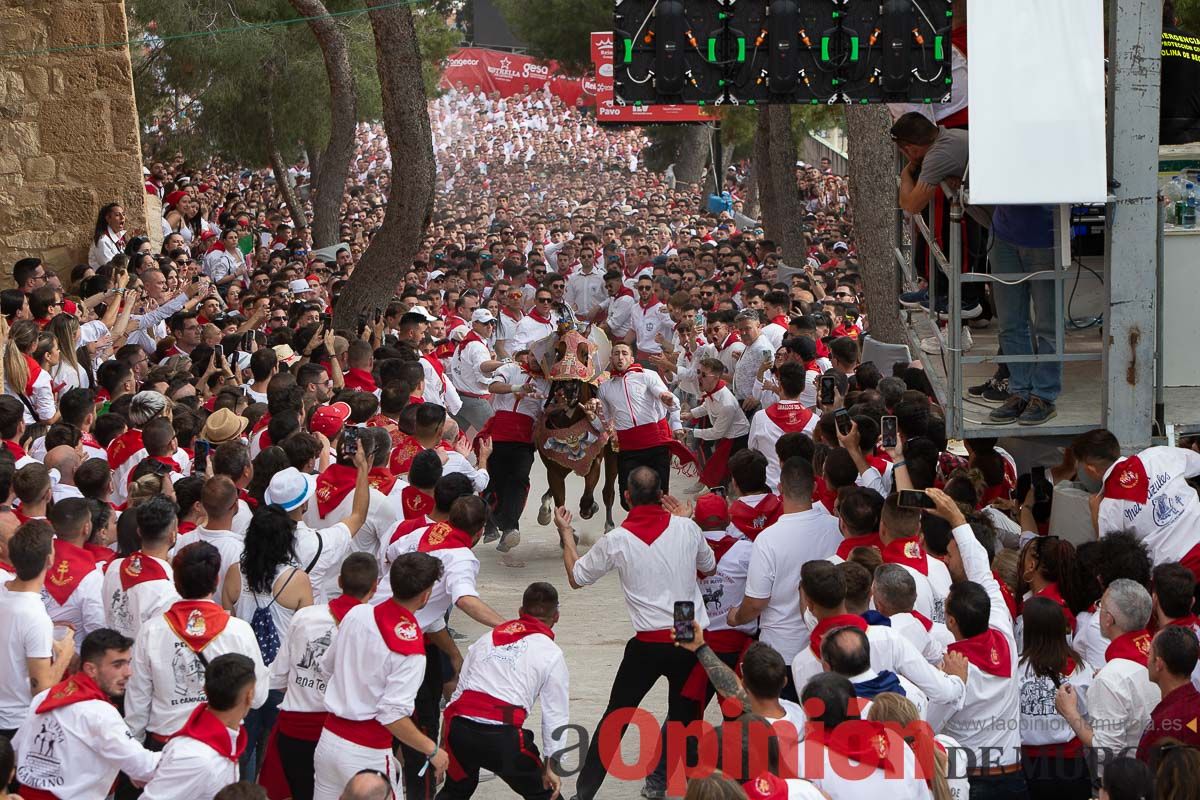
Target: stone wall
{"type": "Point", "coordinates": [69, 139]}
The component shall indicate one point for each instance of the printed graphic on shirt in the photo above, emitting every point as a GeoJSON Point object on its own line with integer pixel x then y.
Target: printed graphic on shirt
{"type": "Point", "coordinates": [309, 672]}
{"type": "Point", "coordinates": [1037, 698]}
{"type": "Point", "coordinates": [119, 603]}
{"type": "Point", "coordinates": [939, 610]}
{"type": "Point", "coordinates": [1167, 509]}
{"type": "Point", "coordinates": [42, 767]}
{"type": "Point", "coordinates": [509, 653]}
{"type": "Point", "coordinates": [188, 672]}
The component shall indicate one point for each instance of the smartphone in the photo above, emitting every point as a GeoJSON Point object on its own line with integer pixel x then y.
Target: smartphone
{"type": "Point", "coordinates": [327, 321]}
{"type": "Point", "coordinates": [378, 315]}
{"type": "Point", "coordinates": [889, 432]}
{"type": "Point", "coordinates": [828, 389]}
{"type": "Point", "coordinates": [910, 498]}
{"type": "Point", "coordinates": [218, 353]}
{"type": "Point", "coordinates": [233, 362]}
{"type": "Point", "coordinates": [349, 443]}
{"type": "Point", "coordinates": [841, 418]}
{"type": "Point", "coordinates": [247, 340]}
{"type": "Point", "coordinates": [200, 460]}
{"type": "Point", "coordinates": [195, 279]}
{"type": "Point", "coordinates": [1042, 489]}
{"type": "Point", "coordinates": [685, 614]}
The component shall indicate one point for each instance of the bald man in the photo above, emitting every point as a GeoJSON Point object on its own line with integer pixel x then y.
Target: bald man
{"type": "Point", "coordinates": [65, 459]}
{"type": "Point", "coordinates": [367, 785]}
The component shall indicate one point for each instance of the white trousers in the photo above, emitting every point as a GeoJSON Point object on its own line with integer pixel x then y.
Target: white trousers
{"type": "Point", "coordinates": [337, 760]}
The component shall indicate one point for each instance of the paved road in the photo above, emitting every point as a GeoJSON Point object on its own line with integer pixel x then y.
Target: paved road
{"type": "Point", "coordinates": [592, 632]}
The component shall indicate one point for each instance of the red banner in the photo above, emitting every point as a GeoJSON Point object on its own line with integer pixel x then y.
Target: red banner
{"type": "Point", "coordinates": [474, 68]}
{"type": "Point", "coordinates": [608, 110]}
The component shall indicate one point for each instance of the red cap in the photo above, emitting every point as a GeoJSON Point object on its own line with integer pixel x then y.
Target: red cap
{"type": "Point", "coordinates": [70, 307]}
{"type": "Point", "coordinates": [204, 187]}
{"type": "Point", "coordinates": [313, 279]}
{"type": "Point", "coordinates": [329, 419]}
{"type": "Point", "coordinates": [766, 787]}
{"type": "Point", "coordinates": [174, 197]}
{"type": "Point", "coordinates": [712, 512]}
{"type": "Point", "coordinates": [209, 233]}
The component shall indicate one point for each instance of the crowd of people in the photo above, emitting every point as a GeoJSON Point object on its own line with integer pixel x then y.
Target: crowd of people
{"type": "Point", "coordinates": [235, 534]}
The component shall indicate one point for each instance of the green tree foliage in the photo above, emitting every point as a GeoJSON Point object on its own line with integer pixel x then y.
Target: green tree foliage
{"type": "Point", "coordinates": [738, 124]}
{"type": "Point", "coordinates": [223, 81]}
{"type": "Point", "coordinates": [559, 29]}
{"type": "Point", "coordinates": [1188, 12]}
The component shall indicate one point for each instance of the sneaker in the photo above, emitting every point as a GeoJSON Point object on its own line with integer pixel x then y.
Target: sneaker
{"type": "Point", "coordinates": [509, 540]}
{"type": "Point", "coordinates": [993, 391]}
{"type": "Point", "coordinates": [1008, 413]}
{"type": "Point", "coordinates": [967, 341]}
{"type": "Point", "coordinates": [969, 310]}
{"type": "Point", "coordinates": [455, 635]}
{"type": "Point", "coordinates": [490, 532]}
{"type": "Point", "coordinates": [916, 299]}
{"type": "Point", "coordinates": [1037, 412]}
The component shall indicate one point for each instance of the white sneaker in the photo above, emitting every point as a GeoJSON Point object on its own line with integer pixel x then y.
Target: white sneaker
{"type": "Point", "coordinates": [932, 345]}
{"type": "Point", "coordinates": [936, 343]}
{"type": "Point", "coordinates": [968, 341]}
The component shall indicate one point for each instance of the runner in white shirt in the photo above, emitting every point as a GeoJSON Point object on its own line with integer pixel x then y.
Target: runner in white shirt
{"type": "Point", "coordinates": [32, 660]}
{"type": "Point", "coordinates": [758, 351]}
{"type": "Point", "coordinates": [220, 500]}
{"type": "Point", "coordinates": [651, 322]}
{"type": "Point", "coordinates": [203, 758]}
{"type": "Point", "coordinates": [776, 303]}
{"type": "Point", "coordinates": [335, 497]}
{"type": "Point", "coordinates": [73, 593]}
{"type": "Point", "coordinates": [299, 672]}
{"type": "Point", "coordinates": [656, 555]}
{"type": "Point", "coordinates": [893, 593]}
{"type": "Point", "coordinates": [789, 415]}
{"type": "Point", "coordinates": [801, 534]}
{"type": "Point", "coordinates": [470, 369]}
{"type": "Point", "coordinates": [74, 742]}
{"type": "Point", "coordinates": [376, 665]}
{"type": "Point", "coordinates": [140, 585]}
{"type": "Point", "coordinates": [727, 425]}
{"type": "Point", "coordinates": [512, 312]}
{"type": "Point", "coordinates": [430, 426]}
{"type": "Point", "coordinates": [898, 530]}
{"type": "Point", "coordinates": [619, 307]}
{"type": "Point", "coordinates": [585, 291]}
{"type": "Point", "coordinates": [505, 672]}
{"type": "Point", "coordinates": [173, 649]}
{"type": "Point", "coordinates": [537, 324]}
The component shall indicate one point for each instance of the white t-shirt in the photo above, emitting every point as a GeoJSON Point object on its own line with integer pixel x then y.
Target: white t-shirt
{"type": "Point", "coordinates": [26, 632]}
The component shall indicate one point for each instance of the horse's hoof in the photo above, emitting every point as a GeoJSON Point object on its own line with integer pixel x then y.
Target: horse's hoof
{"type": "Point", "coordinates": [509, 540]}
{"type": "Point", "coordinates": [609, 525]}
{"type": "Point", "coordinates": [589, 511]}
{"type": "Point", "coordinates": [546, 512]}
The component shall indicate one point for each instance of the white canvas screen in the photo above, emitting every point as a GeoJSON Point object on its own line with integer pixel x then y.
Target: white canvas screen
{"type": "Point", "coordinates": [1035, 74]}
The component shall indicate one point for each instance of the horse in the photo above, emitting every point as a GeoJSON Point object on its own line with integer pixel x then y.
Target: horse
{"type": "Point", "coordinates": [567, 441]}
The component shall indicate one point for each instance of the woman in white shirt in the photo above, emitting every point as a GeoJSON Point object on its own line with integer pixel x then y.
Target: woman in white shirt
{"type": "Point", "coordinates": [1051, 755]}
{"type": "Point", "coordinates": [70, 372]}
{"type": "Point", "coordinates": [24, 379]}
{"type": "Point", "coordinates": [108, 239]}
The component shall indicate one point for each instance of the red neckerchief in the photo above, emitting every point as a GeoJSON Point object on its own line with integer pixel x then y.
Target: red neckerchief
{"type": "Point", "coordinates": [1127, 481]}
{"type": "Point", "coordinates": [907, 552]}
{"type": "Point", "coordinates": [399, 628]}
{"type": "Point", "coordinates": [766, 787]}
{"type": "Point", "coordinates": [652, 304]}
{"type": "Point", "coordinates": [124, 446]}
{"type": "Point", "coordinates": [437, 366]}
{"type": "Point", "coordinates": [790, 415]}
{"type": "Point", "coordinates": [341, 604]}
{"type": "Point", "coordinates": [927, 622]}
{"type": "Point", "coordinates": [720, 385]}
{"type": "Point", "coordinates": [382, 479]}
{"type": "Point", "coordinates": [515, 317]}
{"type": "Point", "coordinates": [517, 629]}
{"type": "Point", "coordinates": [634, 367]}
{"type": "Point", "coordinates": [35, 372]}
{"type": "Point", "coordinates": [17, 451]}
{"type": "Point", "coordinates": [720, 546]}
{"type": "Point", "coordinates": [866, 540]}
{"type": "Point", "coordinates": [408, 526]}
{"type": "Point", "coordinates": [1133, 646]}
{"type": "Point", "coordinates": [828, 624]}
{"type": "Point", "coordinates": [360, 379]}
{"type": "Point", "coordinates": [333, 485]}
{"type": "Point", "coordinates": [262, 423]}
{"type": "Point", "coordinates": [75, 689]}
{"type": "Point", "coordinates": [443, 536]}
{"type": "Point", "coordinates": [71, 565]}
{"type": "Point", "coordinates": [138, 567]}
{"type": "Point", "coordinates": [1051, 591]}
{"type": "Point", "coordinates": [1009, 600]}
{"type": "Point", "coordinates": [204, 727]}
{"type": "Point", "coordinates": [647, 523]}
{"type": "Point", "coordinates": [823, 494]}
{"type": "Point", "coordinates": [245, 497]}
{"type": "Point", "coordinates": [536, 314]}
{"type": "Point", "coordinates": [625, 292]}
{"type": "Point", "coordinates": [781, 320]}
{"type": "Point", "coordinates": [416, 503]}
{"type": "Point", "coordinates": [730, 340]}
{"type": "Point", "coordinates": [988, 651]}
{"type": "Point", "coordinates": [403, 454]}
{"type": "Point", "coordinates": [196, 622]}
{"type": "Point", "coordinates": [864, 741]}
{"type": "Point", "coordinates": [1190, 621]}
{"type": "Point", "coordinates": [99, 552]}
{"type": "Point", "coordinates": [751, 521]}
{"type": "Point", "coordinates": [472, 336]}
{"type": "Point", "coordinates": [822, 349]}
{"type": "Point", "coordinates": [636, 269]}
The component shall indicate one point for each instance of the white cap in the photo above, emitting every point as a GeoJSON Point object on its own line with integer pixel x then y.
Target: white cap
{"type": "Point", "coordinates": [482, 315]}
{"type": "Point", "coordinates": [289, 489]}
{"type": "Point", "coordinates": [437, 273]}
{"type": "Point", "coordinates": [841, 246]}
{"type": "Point", "coordinates": [423, 311]}
{"type": "Point", "coordinates": [299, 286]}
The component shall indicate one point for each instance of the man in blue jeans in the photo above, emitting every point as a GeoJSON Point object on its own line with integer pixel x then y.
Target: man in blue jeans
{"type": "Point", "coordinates": [1023, 242]}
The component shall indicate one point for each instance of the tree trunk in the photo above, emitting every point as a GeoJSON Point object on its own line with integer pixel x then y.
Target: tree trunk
{"type": "Point", "coordinates": [282, 179]}
{"type": "Point", "coordinates": [784, 227]}
{"type": "Point", "coordinates": [330, 183]}
{"type": "Point", "coordinates": [692, 154]}
{"type": "Point", "coordinates": [410, 140]}
{"type": "Point", "coordinates": [761, 167]}
{"type": "Point", "coordinates": [873, 202]}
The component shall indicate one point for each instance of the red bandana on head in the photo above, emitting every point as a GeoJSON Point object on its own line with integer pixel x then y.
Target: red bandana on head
{"type": "Point", "coordinates": [333, 485]}
{"type": "Point", "coordinates": [196, 622]}
{"type": "Point", "coordinates": [1128, 481]}
{"type": "Point", "coordinates": [399, 628]}
{"type": "Point", "coordinates": [1132, 646]}
{"type": "Point", "coordinates": [830, 623]}
{"type": "Point", "coordinates": [71, 565]}
{"type": "Point", "coordinates": [766, 787]}
{"type": "Point", "coordinates": [139, 568]}
{"type": "Point", "coordinates": [443, 536]}
{"type": "Point", "coordinates": [75, 689]}
{"type": "Point", "coordinates": [203, 726]}
{"type": "Point", "coordinates": [988, 651]}
{"type": "Point", "coordinates": [647, 523]}
{"type": "Point", "coordinates": [517, 629]}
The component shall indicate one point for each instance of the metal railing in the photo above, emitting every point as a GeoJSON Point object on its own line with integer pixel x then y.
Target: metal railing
{"type": "Point", "coordinates": [950, 268]}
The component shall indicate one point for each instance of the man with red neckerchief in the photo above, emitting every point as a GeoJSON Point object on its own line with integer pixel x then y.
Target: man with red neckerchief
{"type": "Point", "coordinates": [470, 369]}
{"type": "Point", "coordinates": [173, 649]}
{"type": "Point", "coordinates": [504, 673]}
{"type": "Point", "coordinates": [74, 742]}
{"type": "Point", "coordinates": [1146, 494]}
{"type": "Point", "coordinates": [140, 585]}
{"type": "Point", "coordinates": [656, 555]}
{"type": "Point", "coordinates": [512, 312]}
{"type": "Point", "coordinates": [1173, 593]}
{"type": "Point", "coordinates": [299, 672]}
{"type": "Point", "coordinates": [651, 321]}
{"type": "Point", "coordinates": [777, 304]}
{"type": "Point", "coordinates": [617, 310]}
{"type": "Point", "coordinates": [74, 583]}
{"type": "Point", "coordinates": [540, 322]}
{"type": "Point", "coordinates": [728, 428]}
{"type": "Point", "coordinates": [789, 415]}
{"type": "Point", "coordinates": [376, 664]}
{"type": "Point", "coordinates": [203, 758]}
{"type": "Point", "coordinates": [898, 530]}
{"type": "Point", "coordinates": [755, 508]}
{"type": "Point", "coordinates": [416, 490]}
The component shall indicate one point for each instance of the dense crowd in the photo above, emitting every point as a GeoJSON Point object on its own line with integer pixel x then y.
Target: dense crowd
{"type": "Point", "coordinates": [235, 535]}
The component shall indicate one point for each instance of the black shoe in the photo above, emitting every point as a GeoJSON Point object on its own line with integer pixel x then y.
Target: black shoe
{"type": "Point", "coordinates": [1037, 412]}
{"type": "Point", "coordinates": [1008, 413]}
{"type": "Point", "coordinates": [490, 532]}
{"type": "Point", "coordinates": [993, 391]}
